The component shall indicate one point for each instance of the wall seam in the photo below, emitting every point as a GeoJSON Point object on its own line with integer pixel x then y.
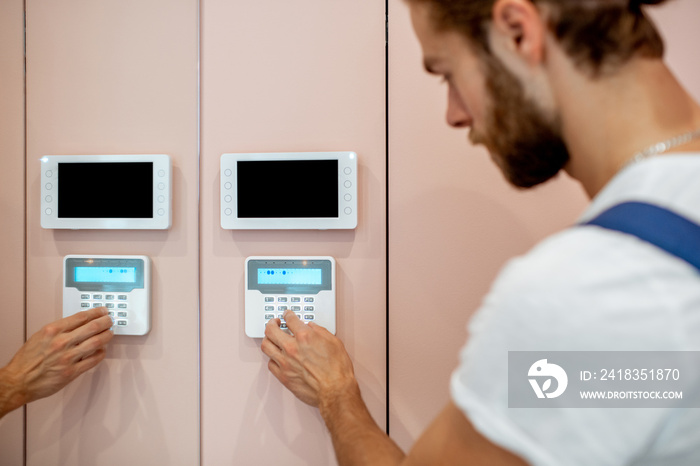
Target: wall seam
{"type": "Point", "coordinates": [199, 230]}
{"type": "Point", "coordinates": [24, 189]}
{"type": "Point", "coordinates": [386, 184]}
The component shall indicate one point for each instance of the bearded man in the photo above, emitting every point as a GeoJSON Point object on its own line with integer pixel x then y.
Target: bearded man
{"type": "Point", "coordinates": [546, 85]}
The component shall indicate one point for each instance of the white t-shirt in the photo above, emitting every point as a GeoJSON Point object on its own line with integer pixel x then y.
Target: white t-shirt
{"type": "Point", "coordinates": [591, 289]}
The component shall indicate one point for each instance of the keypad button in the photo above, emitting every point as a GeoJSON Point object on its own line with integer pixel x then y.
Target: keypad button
{"type": "Point", "coordinates": [269, 316]}
{"type": "Point", "coordinates": [296, 299]}
{"type": "Point", "coordinates": [84, 304]}
{"type": "Point", "coordinates": [281, 308]}
{"type": "Point", "coordinates": [97, 296]}
{"type": "Point", "coordinates": [121, 322]}
{"type": "Point", "coordinates": [308, 308]}
{"type": "Point", "coordinates": [282, 299]}
{"type": "Point", "coordinates": [109, 297]}
{"type": "Point", "coordinates": [122, 306]}
{"type": "Point", "coordinates": [269, 299]}
{"type": "Point", "coordinates": [84, 296]}
{"type": "Point", "coordinates": [296, 308]}
{"type": "Point", "coordinates": [110, 305]}
{"type": "Point", "coordinates": [269, 308]}
{"type": "Point", "coordinates": [122, 297]}
{"type": "Point", "coordinates": [96, 304]}
{"type": "Point", "coordinates": [121, 314]}
{"type": "Point", "coordinates": [309, 317]}
{"type": "Point", "coordinates": [308, 300]}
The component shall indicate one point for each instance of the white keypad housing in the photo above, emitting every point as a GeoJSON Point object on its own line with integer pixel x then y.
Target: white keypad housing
{"type": "Point", "coordinates": [312, 300]}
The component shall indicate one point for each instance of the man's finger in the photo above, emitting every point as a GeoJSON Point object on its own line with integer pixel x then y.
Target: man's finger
{"type": "Point", "coordinates": [89, 362]}
{"type": "Point", "coordinates": [275, 334]}
{"type": "Point", "coordinates": [70, 323]}
{"type": "Point", "coordinates": [294, 324]}
{"type": "Point", "coordinates": [90, 329]}
{"type": "Point", "coordinates": [271, 350]}
{"type": "Point", "coordinates": [94, 344]}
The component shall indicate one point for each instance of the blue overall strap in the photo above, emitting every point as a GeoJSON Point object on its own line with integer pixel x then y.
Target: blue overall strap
{"type": "Point", "coordinates": [659, 226]}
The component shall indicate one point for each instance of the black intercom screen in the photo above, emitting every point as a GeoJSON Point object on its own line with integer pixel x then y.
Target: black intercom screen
{"type": "Point", "coordinates": [287, 189]}
{"type": "Point", "coordinates": [105, 190]}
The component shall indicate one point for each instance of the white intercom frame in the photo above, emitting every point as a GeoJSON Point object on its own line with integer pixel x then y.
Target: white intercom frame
{"type": "Point", "coordinates": [346, 192]}
{"type": "Point", "coordinates": [161, 194]}
{"type": "Point", "coordinates": [128, 302]}
{"type": "Point", "coordinates": [323, 296]}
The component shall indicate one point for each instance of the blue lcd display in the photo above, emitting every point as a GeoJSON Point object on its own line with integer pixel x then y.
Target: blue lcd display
{"type": "Point", "coordinates": [290, 276]}
{"type": "Point", "coordinates": [105, 274]}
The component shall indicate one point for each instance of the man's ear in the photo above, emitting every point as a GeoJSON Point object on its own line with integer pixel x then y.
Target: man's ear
{"type": "Point", "coordinates": [520, 26]}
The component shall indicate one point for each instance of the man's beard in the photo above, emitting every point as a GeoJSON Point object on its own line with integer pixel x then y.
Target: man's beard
{"type": "Point", "coordinates": [525, 144]}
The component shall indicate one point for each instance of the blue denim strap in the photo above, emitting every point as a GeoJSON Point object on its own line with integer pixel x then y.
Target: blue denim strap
{"type": "Point", "coordinates": [667, 230]}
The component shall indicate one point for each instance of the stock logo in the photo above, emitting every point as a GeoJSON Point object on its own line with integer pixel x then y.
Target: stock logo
{"type": "Point", "coordinates": [545, 372]}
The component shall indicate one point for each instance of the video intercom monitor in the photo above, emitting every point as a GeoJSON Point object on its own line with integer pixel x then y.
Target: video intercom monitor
{"type": "Point", "coordinates": [106, 192]}
{"type": "Point", "coordinates": [289, 191]}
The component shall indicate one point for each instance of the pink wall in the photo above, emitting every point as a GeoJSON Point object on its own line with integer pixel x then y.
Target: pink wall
{"type": "Point", "coordinates": [454, 222]}
{"type": "Point", "coordinates": [283, 77]}
{"type": "Point", "coordinates": [11, 210]}
{"type": "Point", "coordinates": [122, 77]}
{"type": "Point", "coordinates": [118, 77]}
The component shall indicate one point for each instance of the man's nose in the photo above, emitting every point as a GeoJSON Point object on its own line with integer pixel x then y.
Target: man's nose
{"type": "Point", "coordinates": [457, 115]}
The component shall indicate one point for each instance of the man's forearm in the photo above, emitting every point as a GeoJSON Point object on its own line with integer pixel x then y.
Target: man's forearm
{"type": "Point", "coordinates": [11, 397]}
{"type": "Point", "coordinates": [357, 439]}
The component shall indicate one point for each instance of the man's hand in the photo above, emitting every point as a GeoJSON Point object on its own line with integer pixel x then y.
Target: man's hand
{"type": "Point", "coordinates": [312, 363]}
{"type": "Point", "coordinates": [53, 357]}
